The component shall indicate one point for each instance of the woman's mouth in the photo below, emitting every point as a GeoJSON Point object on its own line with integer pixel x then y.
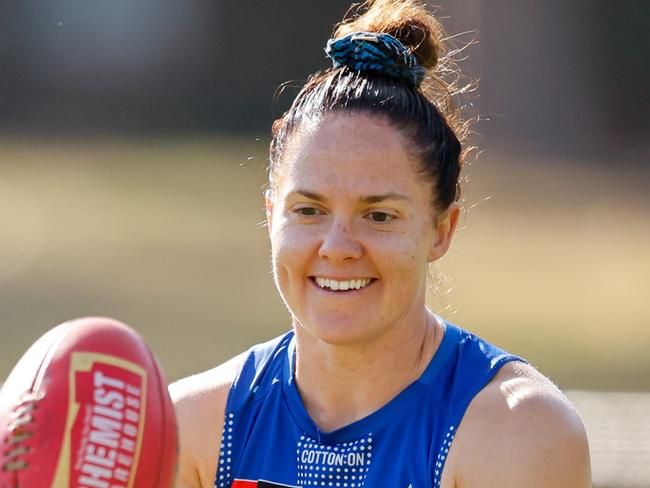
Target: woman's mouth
{"type": "Point", "coordinates": [341, 285]}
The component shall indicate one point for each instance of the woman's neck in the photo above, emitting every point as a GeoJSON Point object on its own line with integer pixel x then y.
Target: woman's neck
{"type": "Point", "coordinates": [342, 384]}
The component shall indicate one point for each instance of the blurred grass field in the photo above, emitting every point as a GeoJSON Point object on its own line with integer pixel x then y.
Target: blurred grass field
{"type": "Point", "coordinates": [552, 261]}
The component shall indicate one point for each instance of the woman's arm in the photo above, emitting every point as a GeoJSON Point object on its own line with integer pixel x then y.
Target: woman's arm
{"type": "Point", "coordinates": [200, 403]}
{"type": "Point", "coordinates": [521, 432]}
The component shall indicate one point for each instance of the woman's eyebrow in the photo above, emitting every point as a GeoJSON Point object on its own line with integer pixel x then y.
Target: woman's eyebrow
{"type": "Point", "coordinates": [383, 197]}
{"type": "Point", "coordinates": [367, 199]}
{"type": "Point", "coordinates": [307, 194]}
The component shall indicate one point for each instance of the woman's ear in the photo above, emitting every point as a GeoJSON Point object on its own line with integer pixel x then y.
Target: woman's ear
{"type": "Point", "coordinates": [445, 226]}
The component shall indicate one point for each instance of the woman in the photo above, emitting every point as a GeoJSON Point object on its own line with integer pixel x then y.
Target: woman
{"type": "Point", "coordinates": [370, 389]}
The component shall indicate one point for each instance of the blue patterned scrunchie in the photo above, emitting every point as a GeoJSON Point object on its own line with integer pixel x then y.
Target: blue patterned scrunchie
{"type": "Point", "coordinates": [376, 52]}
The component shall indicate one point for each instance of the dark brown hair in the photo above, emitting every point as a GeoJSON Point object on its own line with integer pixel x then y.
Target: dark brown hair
{"type": "Point", "coordinates": [426, 115]}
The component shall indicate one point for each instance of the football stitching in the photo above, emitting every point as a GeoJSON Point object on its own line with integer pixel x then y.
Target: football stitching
{"type": "Point", "coordinates": [17, 427]}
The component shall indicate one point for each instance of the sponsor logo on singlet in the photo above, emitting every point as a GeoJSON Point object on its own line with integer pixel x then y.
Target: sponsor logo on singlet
{"type": "Point", "coordinates": [259, 484]}
{"type": "Point", "coordinates": [343, 465]}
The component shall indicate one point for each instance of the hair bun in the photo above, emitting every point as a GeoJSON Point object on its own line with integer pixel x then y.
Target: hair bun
{"type": "Point", "coordinates": [408, 21]}
{"type": "Point", "coordinates": [376, 53]}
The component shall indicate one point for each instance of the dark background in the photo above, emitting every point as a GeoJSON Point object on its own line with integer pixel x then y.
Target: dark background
{"type": "Point", "coordinates": [562, 76]}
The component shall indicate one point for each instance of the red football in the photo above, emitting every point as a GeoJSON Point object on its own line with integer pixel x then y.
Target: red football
{"type": "Point", "coordinates": [87, 407]}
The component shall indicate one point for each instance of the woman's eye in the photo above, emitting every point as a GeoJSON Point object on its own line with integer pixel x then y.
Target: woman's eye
{"type": "Point", "coordinates": [308, 211]}
{"type": "Point", "coordinates": [380, 217]}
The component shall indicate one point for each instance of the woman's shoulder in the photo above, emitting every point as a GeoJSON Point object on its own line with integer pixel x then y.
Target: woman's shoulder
{"type": "Point", "coordinates": [200, 402]}
{"type": "Point", "coordinates": [520, 430]}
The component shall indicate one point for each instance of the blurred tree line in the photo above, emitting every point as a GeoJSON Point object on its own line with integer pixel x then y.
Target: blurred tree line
{"type": "Point", "coordinates": [567, 76]}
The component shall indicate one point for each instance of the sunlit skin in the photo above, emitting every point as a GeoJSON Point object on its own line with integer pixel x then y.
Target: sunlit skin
{"type": "Point", "coordinates": [349, 204]}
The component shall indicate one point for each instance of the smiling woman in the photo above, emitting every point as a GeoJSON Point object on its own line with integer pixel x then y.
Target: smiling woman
{"type": "Point", "coordinates": [370, 388]}
{"type": "Point", "coordinates": [347, 211]}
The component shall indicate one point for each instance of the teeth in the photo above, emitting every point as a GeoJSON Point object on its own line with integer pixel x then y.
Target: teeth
{"type": "Point", "coordinates": [342, 285]}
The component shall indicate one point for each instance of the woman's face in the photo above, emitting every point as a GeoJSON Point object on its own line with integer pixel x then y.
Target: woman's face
{"type": "Point", "coordinates": [352, 229]}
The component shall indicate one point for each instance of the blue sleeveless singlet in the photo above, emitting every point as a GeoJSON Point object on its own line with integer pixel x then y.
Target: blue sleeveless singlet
{"type": "Point", "coordinates": [269, 440]}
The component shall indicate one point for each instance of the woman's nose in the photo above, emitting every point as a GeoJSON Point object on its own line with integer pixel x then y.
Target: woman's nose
{"type": "Point", "coordinates": [339, 244]}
